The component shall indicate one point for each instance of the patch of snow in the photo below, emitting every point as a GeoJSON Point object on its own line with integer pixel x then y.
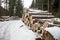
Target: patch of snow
{"type": "Point", "coordinates": [22, 33]}
{"type": "Point", "coordinates": [3, 5]}
{"type": "Point", "coordinates": [36, 10]}
{"type": "Point", "coordinates": [15, 30]}
{"type": "Point", "coordinates": [56, 19]}
{"type": "Point", "coordinates": [55, 31]}
{"type": "Point", "coordinates": [50, 23]}
{"type": "Point", "coordinates": [3, 27]}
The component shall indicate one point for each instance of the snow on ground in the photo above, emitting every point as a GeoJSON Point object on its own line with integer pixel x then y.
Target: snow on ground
{"type": "Point", "coordinates": [55, 31]}
{"type": "Point", "coordinates": [15, 30]}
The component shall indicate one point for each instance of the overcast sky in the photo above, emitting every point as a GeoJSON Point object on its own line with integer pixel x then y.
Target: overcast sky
{"type": "Point", "coordinates": [27, 3]}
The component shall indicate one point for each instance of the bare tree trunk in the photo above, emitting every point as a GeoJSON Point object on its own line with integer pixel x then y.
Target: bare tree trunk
{"type": "Point", "coordinates": [42, 5]}
{"type": "Point", "coordinates": [0, 2]}
{"type": "Point", "coordinates": [48, 5]}
{"type": "Point", "coordinates": [0, 8]}
{"type": "Point", "coordinates": [6, 4]}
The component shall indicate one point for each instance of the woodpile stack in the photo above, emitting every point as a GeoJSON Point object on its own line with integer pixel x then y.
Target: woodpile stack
{"type": "Point", "coordinates": [38, 21]}
{"type": "Point", "coordinates": [30, 17]}
{"type": "Point", "coordinates": [4, 18]}
{"type": "Point", "coordinates": [25, 16]}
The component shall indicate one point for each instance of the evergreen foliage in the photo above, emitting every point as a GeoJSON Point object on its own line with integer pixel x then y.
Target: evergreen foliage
{"type": "Point", "coordinates": [3, 12]}
{"type": "Point", "coordinates": [15, 8]}
{"type": "Point", "coordinates": [11, 7]}
{"type": "Point", "coordinates": [19, 8]}
{"type": "Point", "coordinates": [50, 5]}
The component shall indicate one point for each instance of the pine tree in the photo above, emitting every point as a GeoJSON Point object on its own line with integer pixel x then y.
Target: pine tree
{"type": "Point", "coordinates": [11, 7]}
{"type": "Point", "coordinates": [0, 2]}
{"type": "Point", "coordinates": [15, 8]}
{"type": "Point", "coordinates": [19, 8]}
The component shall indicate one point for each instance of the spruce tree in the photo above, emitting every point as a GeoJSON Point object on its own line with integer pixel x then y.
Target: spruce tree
{"type": "Point", "coordinates": [19, 8]}
{"type": "Point", "coordinates": [11, 7]}
{"type": "Point", "coordinates": [15, 8]}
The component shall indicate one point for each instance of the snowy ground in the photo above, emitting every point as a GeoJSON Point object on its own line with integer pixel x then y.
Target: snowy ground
{"type": "Point", "coordinates": [15, 30]}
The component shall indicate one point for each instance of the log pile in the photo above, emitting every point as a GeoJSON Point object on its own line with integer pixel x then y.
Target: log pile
{"type": "Point", "coordinates": [4, 18]}
{"type": "Point", "coordinates": [38, 21]}
{"type": "Point", "coordinates": [31, 17]}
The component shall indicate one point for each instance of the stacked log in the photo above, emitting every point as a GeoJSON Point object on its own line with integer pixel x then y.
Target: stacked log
{"type": "Point", "coordinates": [47, 36]}
{"type": "Point", "coordinates": [30, 18]}
{"type": "Point", "coordinates": [38, 21]}
{"type": "Point", "coordinates": [25, 16]}
{"type": "Point", "coordinates": [4, 18]}
{"type": "Point", "coordinates": [51, 33]}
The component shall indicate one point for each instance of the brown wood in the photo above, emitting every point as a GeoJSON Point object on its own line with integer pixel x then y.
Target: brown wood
{"type": "Point", "coordinates": [47, 36]}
